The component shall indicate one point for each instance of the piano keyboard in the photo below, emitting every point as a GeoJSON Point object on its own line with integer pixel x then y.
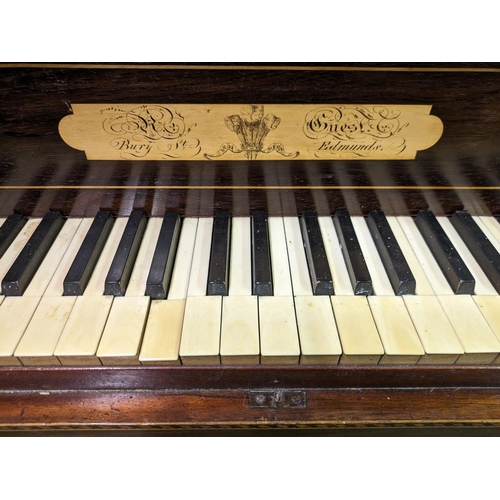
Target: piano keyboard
{"type": "Point", "coordinates": [308, 289]}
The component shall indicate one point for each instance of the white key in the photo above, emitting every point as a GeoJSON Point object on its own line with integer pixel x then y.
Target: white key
{"type": "Point", "coordinates": [301, 282]}
{"type": "Point", "coordinates": [399, 337]}
{"type": "Point", "coordinates": [184, 257]}
{"type": "Point", "coordinates": [319, 339]}
{"type": "Point", "coordinates": [201, 258]}
{"type": "Point", "coordinates": [358, 333]}
{"type": "Point", "coordinates": [240, 265]}
{"type": "Point", "coordinates": [200, 339]}
{"type": "Point", "coordinates": [435, 331]}
{"type": "Point", "coordinates": [239, 342]}
{"type": "Point", "coordinates": [240, 330]}
{"type": "Point", "coordinates": [478, 340]}
{"type": "Point", "coordinates": [341, 282]}
{"type": "Point", "coordinates": [122, 336]}
{"type": "Point", "coordinates": [15, 315]}
{"type": "Point", "coordinates": [162, 336]}
{"type": "Point", "coordinates": [279, 341]}
{"type": "Point", "coordinates": [83, 331]}
{"type": "Point", "coordinates": [40, 339]}
{"type": "Point", "coordinates": [282, 285]}
{"type": "Point", "coordinates": [137, 283]}
{"type": "Point", "coordinates": [489, 307]}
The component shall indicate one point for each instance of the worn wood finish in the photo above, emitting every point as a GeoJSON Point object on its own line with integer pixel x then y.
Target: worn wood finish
{"type": "Point", "coordinates": [337, 396]}
{"type": "Point", "coordinates": [219, 409]}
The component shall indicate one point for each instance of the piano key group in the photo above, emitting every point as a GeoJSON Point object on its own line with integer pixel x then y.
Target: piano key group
{"type": "Point", "coordinates": [250, 290]}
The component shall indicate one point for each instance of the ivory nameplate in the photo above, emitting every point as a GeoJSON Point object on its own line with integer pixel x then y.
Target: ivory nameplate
{"type": "Point", "coordinates": [250, 132]}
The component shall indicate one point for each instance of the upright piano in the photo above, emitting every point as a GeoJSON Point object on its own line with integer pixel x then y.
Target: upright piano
{"type": "Point", "coordinates": [245, 246]}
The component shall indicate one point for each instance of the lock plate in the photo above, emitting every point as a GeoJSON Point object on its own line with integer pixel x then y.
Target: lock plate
{"type": "Point", "coordinates": [277, 399]}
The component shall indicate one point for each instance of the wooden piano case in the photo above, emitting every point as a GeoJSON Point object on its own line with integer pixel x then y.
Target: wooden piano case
{"type": "Point", "coordinates": [459, 168]}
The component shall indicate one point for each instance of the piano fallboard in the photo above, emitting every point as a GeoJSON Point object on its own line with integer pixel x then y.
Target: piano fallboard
{"type": "Point", "coordinates": [41, 172]}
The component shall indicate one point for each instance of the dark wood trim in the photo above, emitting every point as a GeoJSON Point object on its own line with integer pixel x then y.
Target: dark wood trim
{"type": "Point", "coordinates": [412, 67]}
{"type": "Point", "coordinates": [182, 378]}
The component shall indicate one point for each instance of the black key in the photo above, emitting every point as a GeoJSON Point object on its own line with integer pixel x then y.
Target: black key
{"type": "Point", "coordinates": [218, 271]}
{"type": "Point", "coordinates": [163, 259]}
{"type": "Point", "coordinates": [20, 274]}
{"type": "Point", "coordinates": [396, 267]}
{"type": "Point", "coordinates": [86, 259]}
{"type": "Point", "coordinates": [262, 283]}
{"type": "Point", "coordinates": [123, 262]}
{"type": "Point", "coordinates": [356, 266]}
{"type": "Point", "coordinates": [319, 270]}
{"type": "Point", "coordinates": [9, 230]}
{"type": "Point", "coordinates": [479, 245]}
{"type": "Point", "coordinates": [453, 267]}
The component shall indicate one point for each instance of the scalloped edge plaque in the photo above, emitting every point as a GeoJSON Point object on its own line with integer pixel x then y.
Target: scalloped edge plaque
{"type": "Point", "coordinates": [250, 132]}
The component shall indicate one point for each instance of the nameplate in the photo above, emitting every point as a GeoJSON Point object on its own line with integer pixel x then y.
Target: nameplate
{"type": "Point", "coordinates": [250, 132]}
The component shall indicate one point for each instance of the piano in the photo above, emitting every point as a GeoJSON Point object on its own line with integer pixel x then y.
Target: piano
{"type": "Point", "coordinates": [249, 247]}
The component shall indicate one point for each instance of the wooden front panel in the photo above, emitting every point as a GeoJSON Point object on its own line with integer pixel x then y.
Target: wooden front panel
{"type": "Point", "coordinates": [39, 171]}
{"type": "Point", "coordinates": [153, 398]}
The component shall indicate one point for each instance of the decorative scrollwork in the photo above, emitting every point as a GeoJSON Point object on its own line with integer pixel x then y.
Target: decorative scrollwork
{"type": "Point", "coordinates": [354, 131]}
{"type": "Point", "coordinates": [148, 127]}
{"type": "Point", "coordinates": [146, 122]}
{"type": "Point", "coordinates": [252, 127]}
